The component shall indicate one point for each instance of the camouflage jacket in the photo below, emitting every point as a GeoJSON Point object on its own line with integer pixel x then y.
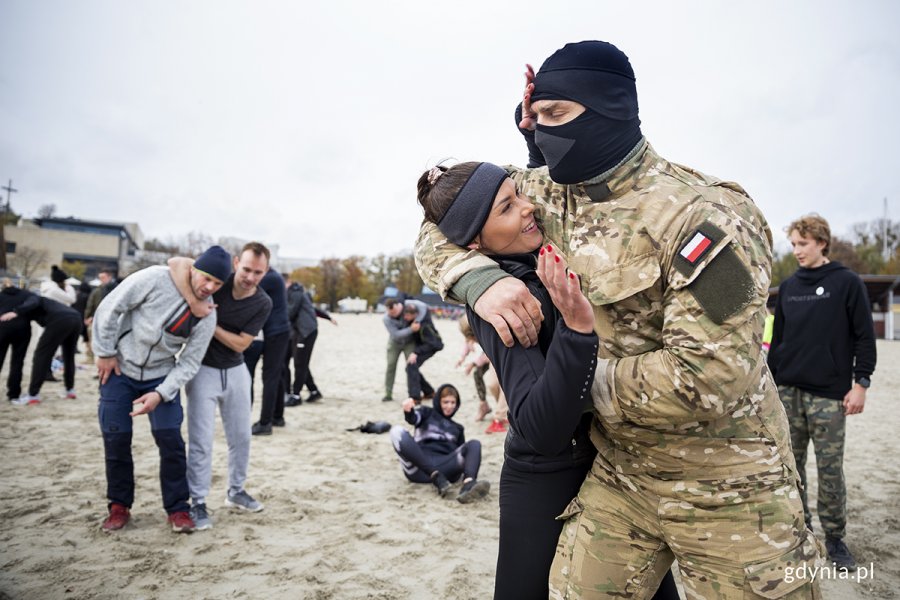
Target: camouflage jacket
{"type": "Point", "coordinates": [677, 267]}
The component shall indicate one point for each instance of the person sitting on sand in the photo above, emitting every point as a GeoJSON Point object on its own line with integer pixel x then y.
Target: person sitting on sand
{"type": "Point", "coordinates": [439, 452]}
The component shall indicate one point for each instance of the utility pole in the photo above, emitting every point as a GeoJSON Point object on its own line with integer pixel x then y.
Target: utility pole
{"type": "Point", "coordinates": [9, 190]}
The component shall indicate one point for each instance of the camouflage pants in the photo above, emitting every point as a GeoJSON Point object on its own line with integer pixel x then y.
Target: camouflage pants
{"type": "Point", "coordinates": [478, 375]}
{"type": "Point", "coordinates": [740, 537]}
{"type": "Point", "coordinates": [822, 421]}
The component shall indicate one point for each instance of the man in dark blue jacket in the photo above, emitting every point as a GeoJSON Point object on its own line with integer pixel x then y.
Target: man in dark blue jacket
{"type": "Point", "coordinates": [303, 315]}
{"type": "Point", "coordinates": [822, 356]}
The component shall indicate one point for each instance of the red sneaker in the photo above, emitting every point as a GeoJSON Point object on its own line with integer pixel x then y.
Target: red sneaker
{"type": "Point", "coordinates": [181, 522]}
{"type": "Point", "coordinates": [118, 517]}
{"type": "Point", "coordinates": [496, 427]}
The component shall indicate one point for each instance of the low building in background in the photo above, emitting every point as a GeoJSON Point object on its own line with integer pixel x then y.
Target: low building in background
{"type": "Point", "coordinates": [33, 245]}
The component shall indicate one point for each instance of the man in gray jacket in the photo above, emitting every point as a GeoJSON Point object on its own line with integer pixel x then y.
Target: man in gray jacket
{"type": "Point", "coordinates": [400, 337]}
{"type": "Point", "coordinates": [138, 330]}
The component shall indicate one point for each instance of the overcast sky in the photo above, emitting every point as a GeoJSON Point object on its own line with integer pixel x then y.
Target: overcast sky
{"type": "Point", "coordinates": [307, 124]}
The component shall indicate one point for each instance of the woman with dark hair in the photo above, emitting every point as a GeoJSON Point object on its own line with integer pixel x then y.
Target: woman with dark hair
{"type": "Point", "coordinates": [548, 451]}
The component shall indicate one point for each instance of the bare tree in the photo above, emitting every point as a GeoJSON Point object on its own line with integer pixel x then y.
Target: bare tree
{"type": "Point", "coordinates": [46, 211]}
{"type": "Point", "coordinates": [26, 261]}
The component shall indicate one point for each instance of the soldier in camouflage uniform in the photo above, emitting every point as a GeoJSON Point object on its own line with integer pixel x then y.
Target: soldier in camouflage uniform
{"type": "Point", "coordinates": [694, 459]}
{"type": "Point", "coordinates": [822, 357]}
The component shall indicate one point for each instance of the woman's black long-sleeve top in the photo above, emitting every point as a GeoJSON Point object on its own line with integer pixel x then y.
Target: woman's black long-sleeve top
{"type": "Point", "coordinates": [547, 386]}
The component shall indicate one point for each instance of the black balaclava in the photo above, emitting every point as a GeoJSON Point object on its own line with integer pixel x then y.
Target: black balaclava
{"type": "Point", "coordinates": [599, 76]}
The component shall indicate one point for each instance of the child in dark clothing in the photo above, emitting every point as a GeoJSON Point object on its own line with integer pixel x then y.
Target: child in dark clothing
{"type": "Point", "coordinates": [439, 453]}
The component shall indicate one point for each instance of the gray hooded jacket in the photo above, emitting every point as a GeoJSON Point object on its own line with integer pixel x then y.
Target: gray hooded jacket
{"type": "Point", "coordinates": [145, 323]}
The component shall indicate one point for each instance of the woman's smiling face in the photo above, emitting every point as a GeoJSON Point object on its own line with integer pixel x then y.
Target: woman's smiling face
{"type": "Point", "coordinates": [510, 227]}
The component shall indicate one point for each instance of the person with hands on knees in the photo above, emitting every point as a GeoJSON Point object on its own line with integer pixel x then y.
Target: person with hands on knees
{"type": "Point", "coordinates": [438, 452]}
{"type": "Point", "coordinates": [548, 451]}
{"type": "Point", "coordinates": [690, 432]}
{"type": "Point", "coordinates": [148, 344]}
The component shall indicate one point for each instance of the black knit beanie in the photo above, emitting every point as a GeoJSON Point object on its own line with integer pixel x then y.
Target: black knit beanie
{"type": "Point", "coordinates": [215, 262]}
{"type": "Point", "coordinates": [57, 274]}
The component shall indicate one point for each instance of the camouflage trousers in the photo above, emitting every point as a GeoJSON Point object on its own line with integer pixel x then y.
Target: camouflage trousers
{"type": "Point", "coordinates": [740, 537]}
{"type": "Point", "coordinates": [478, 375]}
{"type": "Point", "coordinates": [821, 420]}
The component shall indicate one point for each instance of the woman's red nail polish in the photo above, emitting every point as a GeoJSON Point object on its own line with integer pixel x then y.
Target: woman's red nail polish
{"type": "Point", "coordinates": [571, 275]}
{"type": "Point", "coordinates": [542, 251]}
{"type": "Point", "coordinates": [557, 258]}
{"type": "Point", "coordinates": [549, 248]}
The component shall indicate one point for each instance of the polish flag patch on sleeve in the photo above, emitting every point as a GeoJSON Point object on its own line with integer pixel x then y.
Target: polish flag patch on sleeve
{"type": "Point", "coordinates": [696, 247]}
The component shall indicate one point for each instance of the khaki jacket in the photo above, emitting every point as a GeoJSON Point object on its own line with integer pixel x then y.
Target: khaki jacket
{"type": "Point", "coordinates": [677, 267]}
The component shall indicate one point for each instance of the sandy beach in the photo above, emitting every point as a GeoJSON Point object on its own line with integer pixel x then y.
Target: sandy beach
{"type": "Point", "coordinates": [340, 520]}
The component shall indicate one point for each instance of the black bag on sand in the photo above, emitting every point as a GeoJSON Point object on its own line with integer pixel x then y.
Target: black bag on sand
{"type": "Point", "coordinates": [370, 427]}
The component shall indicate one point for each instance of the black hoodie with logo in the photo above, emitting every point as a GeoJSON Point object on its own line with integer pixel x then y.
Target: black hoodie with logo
{"type": "Point", "coordinates": [435, 432]}
{"type": "Point", "coordinates": [823, 321]}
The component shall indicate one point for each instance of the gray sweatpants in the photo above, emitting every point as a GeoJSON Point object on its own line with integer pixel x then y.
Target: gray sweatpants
{"type": "Point", "coordinates": [229, 389]}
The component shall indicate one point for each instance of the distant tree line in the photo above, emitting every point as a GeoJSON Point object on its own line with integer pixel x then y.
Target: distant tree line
{"type": "Point", "coordinates": [367, 277]}
{"type": "Point", "coordinates": [329, 281]}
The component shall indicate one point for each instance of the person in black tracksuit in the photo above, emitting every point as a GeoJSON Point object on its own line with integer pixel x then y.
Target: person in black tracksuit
{"type": "Point", "coordinates": [439, 452]}
{"type": "Point", "coordinates": [302, 315]}
{"type": "Point", "coordinates": [15, 333]}
{"type": "Point", "coordinates": [428, 343]}
{"type": "Point", "coordinates": [276, 339]}
{"type": "Point", "coordinates": [62, 325]}
{"type": "Point", "coordinates": [548, 451]}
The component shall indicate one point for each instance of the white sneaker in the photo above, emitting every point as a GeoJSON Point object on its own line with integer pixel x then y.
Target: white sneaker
{"type": "Point", "coordinates": [70, 395]}
{"type": "Point", "coordinates": [26, 400]}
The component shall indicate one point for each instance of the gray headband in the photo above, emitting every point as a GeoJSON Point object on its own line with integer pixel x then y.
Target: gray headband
{"type": "Point", "coordinates": [470, 209]}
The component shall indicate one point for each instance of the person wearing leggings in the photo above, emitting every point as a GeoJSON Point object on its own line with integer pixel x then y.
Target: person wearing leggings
{"type": "Point", "coordinates": [438, 452]}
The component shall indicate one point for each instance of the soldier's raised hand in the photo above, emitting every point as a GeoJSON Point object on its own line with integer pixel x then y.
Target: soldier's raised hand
{"type": "Point", "coordinates": [529, 117]}
{"type": "Point", "coordinates": [565, 290]}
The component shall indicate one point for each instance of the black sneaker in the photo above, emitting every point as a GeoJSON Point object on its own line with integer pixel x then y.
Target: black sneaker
{"type": "Point", "coordinates": [313, 396]}
{"type": "Point", "coordinates": [278, 422]}
{"type": "Point", "coordinates": [387, 399]}
{"type": "Point", "coordinates": [293, 400]}
{"type": "Point", "coordinates": [260, 429]}
{"type": "Point", "coordinates": [473, 490]}
{"type": "Point", "coordinates": [441, 483]}
{"type": "Point", "coordinates": [839, 554]}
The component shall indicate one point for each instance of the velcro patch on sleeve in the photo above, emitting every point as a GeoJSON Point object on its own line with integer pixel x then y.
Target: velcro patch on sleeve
{"type": "Point", "coordinates": [723, 285]}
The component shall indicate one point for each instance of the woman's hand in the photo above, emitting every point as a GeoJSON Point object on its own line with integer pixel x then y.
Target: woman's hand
{"type": "Point", "coordinates": [565, 291]}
